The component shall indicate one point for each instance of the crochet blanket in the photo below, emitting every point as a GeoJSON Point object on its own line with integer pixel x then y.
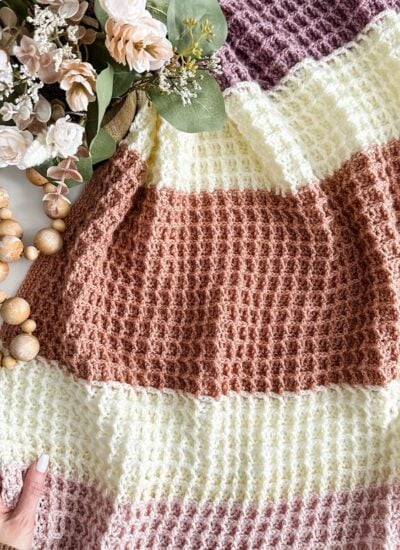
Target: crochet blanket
{"type": "Point", "coordinates": [220, 335]}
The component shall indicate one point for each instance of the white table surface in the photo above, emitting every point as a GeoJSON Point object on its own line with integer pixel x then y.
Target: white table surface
{"type": "Point", "coordinates": [26, 206]}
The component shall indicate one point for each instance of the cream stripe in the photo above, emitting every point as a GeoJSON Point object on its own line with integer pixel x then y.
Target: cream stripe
{"type": "Point", "coordinates": [138, 444]}
{"type": "Point", "coordinates": [323, 112]}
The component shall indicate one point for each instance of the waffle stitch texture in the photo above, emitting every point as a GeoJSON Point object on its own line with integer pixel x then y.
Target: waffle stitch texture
{"type": "Point", "coordinates": [220, 335]}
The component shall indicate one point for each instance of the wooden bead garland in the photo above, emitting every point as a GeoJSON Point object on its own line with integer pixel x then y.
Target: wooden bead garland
{"type": "Point", "coordinates": [10, 227]}
{"type": "Point", "coordinates": [35, 177]}
{"type": "Point", "coordinates": [48, 241]}
{"type": "Point", "coordinates": [24, 347]}
{"type": "Point", "coordinates": [16, 310]}
{"type": "Point", "coordinates": [4, 270]}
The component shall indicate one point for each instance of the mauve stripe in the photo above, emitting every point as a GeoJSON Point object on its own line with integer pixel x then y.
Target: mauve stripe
{"type": "Point", "coordinates": [267, 39]}
{"type": "Point", "coordinates": [76, 516]}
{"type": "Point", "coordinates": [211, 292]}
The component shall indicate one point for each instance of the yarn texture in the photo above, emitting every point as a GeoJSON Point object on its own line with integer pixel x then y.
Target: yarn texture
{"type": "Point", "coordinates": [221, 332]}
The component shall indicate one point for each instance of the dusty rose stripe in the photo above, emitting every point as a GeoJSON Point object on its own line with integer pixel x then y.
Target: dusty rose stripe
{"type": "Point", "coordinates": [230, 290]}
{"type": "Point", "coordinates": [266, 39]}
{"type": "Point", "coordinates": [73, 515]}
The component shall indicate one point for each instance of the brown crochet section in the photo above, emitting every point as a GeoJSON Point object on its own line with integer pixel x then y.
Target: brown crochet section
{"type": "Point", "coordinates": [231, 290]}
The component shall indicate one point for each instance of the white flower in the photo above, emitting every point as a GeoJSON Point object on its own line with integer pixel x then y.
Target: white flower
{"type": "Point", "coordinates": [13, 145]}
{"type": "Point", "coordinates": [6, 72]}
{"type": "Point", "coordinates": [64, 137]}
{"type": "Point", "coordinates": [124, 11]}
{"type": "Point", "coordinates": [37, 153]}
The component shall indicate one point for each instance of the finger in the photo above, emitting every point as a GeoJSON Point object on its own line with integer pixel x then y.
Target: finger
{"type": "Point", "coordinates": [33, 488]}
{"type": "Point", "coordinates": [3, 508]}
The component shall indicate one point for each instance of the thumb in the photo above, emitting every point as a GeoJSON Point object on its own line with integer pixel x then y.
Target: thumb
{"type": "Point", "coordinates": [33, 488]}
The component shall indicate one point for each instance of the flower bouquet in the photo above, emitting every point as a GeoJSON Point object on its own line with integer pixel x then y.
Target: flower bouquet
{"type": "Point", "coordinates": [67, 66]}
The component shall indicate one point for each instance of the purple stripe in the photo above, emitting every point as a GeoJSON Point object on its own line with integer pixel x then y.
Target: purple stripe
{"type": "Point", "coordinates": [267, 38]}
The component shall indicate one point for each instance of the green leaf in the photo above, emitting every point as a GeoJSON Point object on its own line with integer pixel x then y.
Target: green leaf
{"type": "Point", "coordinates": [101, 15]}
{"type": "Point", "coordinates": [19, 6]}
{"type": "Point", "coordinates": [201, 10]}
{"type": "Point", "coordinates": [206, 113]}
{"type": "Point", "coordinates": [104, 90]}
{"type": "Point", "coordinates": [158, 9]}
{"type": "Point", "coordinates": [97, 109]}
{"type": "Point", "coordinates": [102, 147]}
{"type": "Point", "coordinates": [123, 78]}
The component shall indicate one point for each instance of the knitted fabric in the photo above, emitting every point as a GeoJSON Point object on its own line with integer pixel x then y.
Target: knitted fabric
{"type": "Point", "coordinates": [267, 39]}
{"type": "Point", "coordinates": [220, 334]}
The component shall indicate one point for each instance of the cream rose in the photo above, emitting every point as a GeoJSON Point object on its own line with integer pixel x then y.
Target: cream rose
{"type": "Point", "coordinates": [124, 11]}
{"type": "Point", "coordinates": [64, 137]}
{"type": "Point", "coordinates": [13, 145]}
{"type": "Point", "coordinates": [6, 72]}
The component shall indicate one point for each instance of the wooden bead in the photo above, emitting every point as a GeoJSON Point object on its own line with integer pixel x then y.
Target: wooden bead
{"type": "Point", "coordinates": [35, 177]}
{"type": "Point", "coordinates": [57, 208]}
{"type": "Point", "coordinates": [49, 188]}
{"type": "Point", "coordinates": [3, 296]}
{"type": "Point", "coordinates": [31, 253]}
{"type": "Point", "coordinates": [48, 241]}
{"type": "Point", "coordinates": [5, 214]}
{"type": "Point", "coordinates": [8, 362]}
{"type": "Point", "coordinates": [24, 347]}
{"type": "Point", "coordinates": [10, 227]}
{"type": "Point", "coordinates": [4, 270]}
{"type": "Point", "coordinates": [4, 197]}
{"type": "Point", "coordinates": [59, 225]}
{"type": "Point", "coordinates": [28, 326]}
{"type": "Point", "coordinates": [15, 311]}
{"type": "Point", "coordinates": [11, 248]}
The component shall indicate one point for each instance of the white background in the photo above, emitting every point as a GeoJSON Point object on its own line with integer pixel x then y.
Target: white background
{"type": "Point", "coordinates": [26, 206]}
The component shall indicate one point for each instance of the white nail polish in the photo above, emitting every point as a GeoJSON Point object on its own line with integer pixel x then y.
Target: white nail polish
{"type": "Point", "coordinates": [42, 463]}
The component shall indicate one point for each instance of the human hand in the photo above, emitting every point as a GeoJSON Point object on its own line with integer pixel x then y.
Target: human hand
{"type": "Point", "coordinates": [17, 525]}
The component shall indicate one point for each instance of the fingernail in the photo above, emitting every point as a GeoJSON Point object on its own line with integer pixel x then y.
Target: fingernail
{"type": "Point", "coordinates": [42, 463]}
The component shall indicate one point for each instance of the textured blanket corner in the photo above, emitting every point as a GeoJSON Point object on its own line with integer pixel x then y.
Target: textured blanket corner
{"type": "Point", "coordinates": [220, 336]}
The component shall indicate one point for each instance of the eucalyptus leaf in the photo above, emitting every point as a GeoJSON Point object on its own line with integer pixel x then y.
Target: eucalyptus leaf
{"type": "Point", "coordinates": [101, 15]}
{"type": "Point", "coordinates": [123, 78]}
{"type": "Point", "coordinates": [206, 113]}
{"type": "Point", "coordinates": [104, 91]}
{"type": "Point", "coordinates": [85, 168]}
{"type": "Point", "coordinates": [102, 147]}
{"type": "Point", "coordinates": [18, 6]}
{"type": "Point", "coordinates": [42, 168]}
{"type": "Point", "coordinates": [200, 10]}
{"type": "Point", "coordinates": [158, 9]}
{"type": "Point", "coordinates": [97, 109]}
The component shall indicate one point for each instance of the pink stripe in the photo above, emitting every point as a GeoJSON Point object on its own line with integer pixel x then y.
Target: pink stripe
{"type": "Point", "coordinates": [73, 515]}
{"type": "Point", "coordinates": [227, 291]}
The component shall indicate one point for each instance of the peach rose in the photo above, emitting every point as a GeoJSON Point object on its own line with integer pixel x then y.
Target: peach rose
{"type": "Point", "coordinates": [143, 45]}
{"type": "Point", "coordinates": [78, 79]}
